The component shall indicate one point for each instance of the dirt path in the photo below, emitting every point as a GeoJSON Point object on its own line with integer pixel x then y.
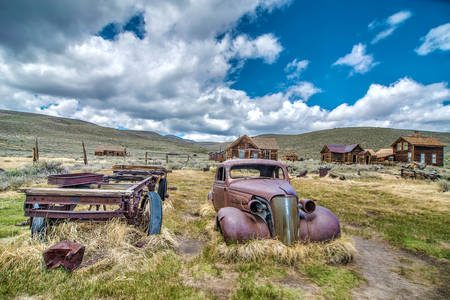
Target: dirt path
{"type": "Point", "coordinates": [380, 265]}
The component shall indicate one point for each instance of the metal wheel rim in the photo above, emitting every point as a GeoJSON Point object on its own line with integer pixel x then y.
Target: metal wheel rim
{"type": "Point", "coordinates": [146, 212]}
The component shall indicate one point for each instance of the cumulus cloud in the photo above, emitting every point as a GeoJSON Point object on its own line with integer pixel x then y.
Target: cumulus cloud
{"type": "Point", "coordinates": [295, 68]}
{"type": "Point", "coordinates": [390, 25]}
{"type": "Point", "coordinates": [358, 60]}
{"type": "Point", "coordinates": [174, 79]}
{"type": "Point", "coordinates": [265, 46]}
{"type": "Point", "coordinates": [437, 38]}
{"type": "Point", "coordinates": [303, 90]}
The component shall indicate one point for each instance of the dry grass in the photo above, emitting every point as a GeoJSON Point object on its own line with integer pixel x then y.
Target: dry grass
{"type": "Point", "coordinates": [339, 251]}
{"type": "Point", "coordinates": [112, 243]}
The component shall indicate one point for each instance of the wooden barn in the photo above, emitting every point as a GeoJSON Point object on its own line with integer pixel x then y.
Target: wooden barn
{"type": "Point", "coordinates": [385, 156]}
{"type": "Point", "coordinates": [110, 151]}
{"type": "Point", "coordinates": [249, 147]}
{"type": "Point", "coordinates": [290, 156]}
{"type": "Point", "coordinates": [426, 150]}
{"type": "Point", "coordinates": [367, 157]}
{"type": "Point", "coordinates": [341, 153]}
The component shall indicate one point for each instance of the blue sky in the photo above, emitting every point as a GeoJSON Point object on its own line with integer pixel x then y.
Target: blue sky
{"type": "Point", "coordinates": [322, 31]}
{"type": "Point", "coordinates": [215, 70]}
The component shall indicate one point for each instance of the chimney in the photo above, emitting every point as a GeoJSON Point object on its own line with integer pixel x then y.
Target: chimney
{"type": "Point", "coordinates": [416, 133]}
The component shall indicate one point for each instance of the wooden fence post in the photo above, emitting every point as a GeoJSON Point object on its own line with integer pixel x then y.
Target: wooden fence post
{"type": "Point", "coordinates": [84, 153]}
{"type": "Point", "coordinates": [146, 158]}
{"type": "Point", "coordinates": [35, 150]}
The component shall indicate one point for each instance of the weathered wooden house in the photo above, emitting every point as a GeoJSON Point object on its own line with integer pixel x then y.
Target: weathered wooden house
{"type": "Point", "coordinates": [367, 157]}
{"type": "Point", "coordinates": [385, 156]}
{"type": "Point", "coordinates": [110, 151]}
{"type": "Point", "coordinates": [341, 153]}
{"type": "Point", "coordinates": [217, 156]}
{"type": "Point", "coordinates": [425, 150]}
{"type": "Point", "coordinates": [290, 156]}
{"type": "Point", "coordinates": [249, 147]}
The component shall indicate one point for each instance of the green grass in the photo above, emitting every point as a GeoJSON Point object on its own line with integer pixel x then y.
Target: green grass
{"type": "Point", "coordinates": [11, 213]}
{"type": "Point", "coordinates": [336, 282]}
{"type": "Point", "coordinates": [406, 222]}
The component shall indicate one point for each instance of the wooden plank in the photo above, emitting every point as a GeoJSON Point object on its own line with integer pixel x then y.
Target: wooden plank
{"type": "Point", "coordinates": [77, 192]}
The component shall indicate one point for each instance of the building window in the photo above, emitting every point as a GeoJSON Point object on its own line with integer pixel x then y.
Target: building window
{"type": "Point", "coordinates": [399, 147]}
{"type": "Point", "coordinates": [405, 146]}
{"type": "Point", "coordinates": [409, 156]}
{"type": "Point", "coordinates": [255, 154]}
{"type": "Point", "coordinates": [241, 153]}
{"type": "Point", "coordinates": [433, 158]}
{"type": "Point", "coordinates": [267, 154]}
{"type": "Point", "coordinates": [422, 158]}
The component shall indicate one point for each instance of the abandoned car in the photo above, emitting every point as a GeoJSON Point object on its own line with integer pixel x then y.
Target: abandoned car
{"type": "Point", "coordinates": [254, 199]}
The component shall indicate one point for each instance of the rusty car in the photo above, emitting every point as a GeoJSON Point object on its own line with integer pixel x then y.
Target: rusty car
{"type": "Point", "coordinates": [254, 199]}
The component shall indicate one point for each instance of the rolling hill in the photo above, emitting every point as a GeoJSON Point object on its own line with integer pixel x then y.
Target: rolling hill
{"type": "Point", "coordinates": [309, 145]}
{"type": "Point", "coordinates": [62, 137]}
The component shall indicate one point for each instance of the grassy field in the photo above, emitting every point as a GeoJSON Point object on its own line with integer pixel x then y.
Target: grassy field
{"type": "Point", "coordinates": [62, 137]}
{"type": "Point", "coordinates": [190, 260]}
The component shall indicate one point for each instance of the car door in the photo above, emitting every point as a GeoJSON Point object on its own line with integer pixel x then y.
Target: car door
{"type": "Point", "coordinates": [219, 189]}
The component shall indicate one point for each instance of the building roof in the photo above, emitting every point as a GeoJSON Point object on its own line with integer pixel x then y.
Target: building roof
{"type": "Point", "coordinates": [259, 143]}
{"type": "Point", "coordinates": [109, 148]}
{"type": "Point", "coordinates": [266, 143]}
{"type": "Point", "coordinates": [370, 151]}
{"type": "Point", "coordinates": [341, 148]}
{"type": "Point", "coordinates": [384, 152]}
{"type": "Point", "coordinates": [421, 141]}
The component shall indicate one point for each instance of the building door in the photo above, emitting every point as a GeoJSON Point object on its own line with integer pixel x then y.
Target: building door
{"type": "Point", "coordinates": [354, 158]}
{"type": "Point", "coordinates": [367, 159]}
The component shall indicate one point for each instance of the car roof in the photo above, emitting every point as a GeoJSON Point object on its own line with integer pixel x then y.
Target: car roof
{"type": "Point", "coordinates": [238, 162]}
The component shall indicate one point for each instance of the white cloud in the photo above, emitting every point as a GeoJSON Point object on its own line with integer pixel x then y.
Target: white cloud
{"type": "Point", "coordinates": [295, 68]}
{"type": "Point", "coordinates": [437, 38]}
{"type": "Point", "coordinates": [303, 89]}
{"type": "Point", "coordinates": [265, 46]}
{"type": "Point", "coordinates": [390, 24]}
{"type": "Point", "coordinates": [174, 80]}
{"type": "Point", "coordinates": [358, 60]}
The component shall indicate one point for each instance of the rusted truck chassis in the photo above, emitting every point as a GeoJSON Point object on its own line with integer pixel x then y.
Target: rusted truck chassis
{"type": "Point", "coordinates": [95, 197]}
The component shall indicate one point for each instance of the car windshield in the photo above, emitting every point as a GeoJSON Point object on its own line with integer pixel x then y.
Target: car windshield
{"type": "Point", "coordinates": [256, 171]}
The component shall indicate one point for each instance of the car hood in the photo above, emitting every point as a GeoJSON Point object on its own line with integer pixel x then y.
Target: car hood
{"type": "Point", "coordinates": [265, 188]}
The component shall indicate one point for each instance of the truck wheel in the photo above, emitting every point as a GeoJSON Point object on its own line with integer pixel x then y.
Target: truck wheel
{"type": "Point", "coordinates": [152, 214]}
{"type": "Point", "coordinates": [38, 226]}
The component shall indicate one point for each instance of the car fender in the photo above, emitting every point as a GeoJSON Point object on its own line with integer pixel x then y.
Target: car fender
{"type": "Point", "coordinates": [319, 226]}
{"type": "Point", "coordinates": [239, 226]}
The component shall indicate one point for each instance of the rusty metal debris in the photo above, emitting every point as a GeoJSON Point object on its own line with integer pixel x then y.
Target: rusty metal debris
{"type": "Point", "coordinates": [323, 171]}
{"type": "Point", "coordinates": [74, 179]}
{"type": "Point", "coordinates": [66, 253]}
{"type": "Point", "coordinates": [417, 171]}
{"type": "Point", "coordinates": [302, 173]}
{"type": "Point", "coordinates": [254, 199]}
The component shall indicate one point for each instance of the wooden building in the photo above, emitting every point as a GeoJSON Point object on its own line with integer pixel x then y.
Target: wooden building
{"type": "Point", "coordinates": [110, 151]}
{"type": "Point", "coordinates": [341, 153]}
{"type": "Point", "coordinates": [425, 150]}
{"type": "Point", "coordinates": [290, 156]}
{"type": "Point", "coordinates": [385, 156]}
{"type": "Point", "coordinates": [217, 156]}
{"type": "Point", "coordinates": [249, 147]}
{"type": "Point", "coordinates": [367, 157]}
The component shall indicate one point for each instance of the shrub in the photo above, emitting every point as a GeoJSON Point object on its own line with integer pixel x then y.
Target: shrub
{"type": "Point", "coordinates": [16, 178]}
{"type": "Point", "coordinates": [443, 185]}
